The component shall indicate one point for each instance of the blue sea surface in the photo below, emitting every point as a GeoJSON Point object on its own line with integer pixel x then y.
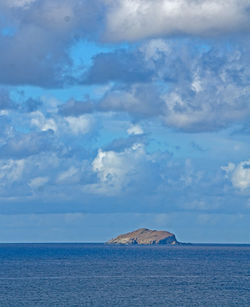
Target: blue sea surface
{"type": "Point", "coordinates": [103, 275]}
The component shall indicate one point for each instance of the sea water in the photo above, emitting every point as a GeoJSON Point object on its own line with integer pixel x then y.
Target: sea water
{"type": "Point", "coordinates": [103, 275]}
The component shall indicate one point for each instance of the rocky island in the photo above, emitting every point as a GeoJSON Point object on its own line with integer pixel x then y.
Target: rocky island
{"type": "Point", "coordinates": [145, 236]}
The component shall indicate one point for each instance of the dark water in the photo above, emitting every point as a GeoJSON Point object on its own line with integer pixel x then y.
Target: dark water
{"type": "Point", "coordinates": [100, 275]}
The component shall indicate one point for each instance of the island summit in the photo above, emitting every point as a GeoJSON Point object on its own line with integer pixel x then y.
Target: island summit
{"type": "Point", "coordinates": [145, 236]}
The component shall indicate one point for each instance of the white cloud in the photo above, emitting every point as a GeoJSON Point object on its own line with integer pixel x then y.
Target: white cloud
{"type": "Point", "coordinates": [4, 112]}
{"type": "Point", "coordinates": [139, 100]}
{"type": "Point", "coordinates": [38, 182]}
{"type": "Point", "coordinates": [19, 3]}
{"type": "Point", "coordinates": [239, 174]}
{"type": "Point", "coordinates": [68, 174]}
{"type": "Point", "coordinates": [138, 19]}
{"type": "Point", "coordinates": [205, 90]}
{"type": "Point", "coordinates": [116, 169]}
{"type": "Point", "coordinates": [154, 49]}
{"type": "Point", "coordinates": [210, 96]}
{"type": "Point", "coordinates": [229, 168]}
{"type": "Point", "coordinates": [79, 125]}
{"type": "Point", "coordinates": [11, 171]}
{"type": "Point", "coordinates": [43, 123]}
{"type": "Point", "coordinates": [135, 130]}
{"type": "Point", "coordinates": [196, 84]}
{"type": "Point", "coordinates": [181, 115]}
{"type": "Point", "coordinates": [48, 28]}
{"type": "Point", "coordinates": [69, 124]}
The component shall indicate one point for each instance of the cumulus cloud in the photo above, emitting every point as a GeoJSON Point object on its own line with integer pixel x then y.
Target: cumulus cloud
{"type": "Point", "coordinates": [135, 130]}
{"type": "Point", "coordinates": [68, 175]}
{"type": "Point", "coordinates": [121, 174]}
{"type": "Point", "coordinates": [139, 19]}
{"type": "Point", "coordinates": [194, 89]}
{"type": "Point", "coordinates": [116, 170]}
{"type": "Point", "coordinates": [11, 171]}
{"type": "Point", "coordinates": [214, 96]}
{"type": "Point", "coordinates": [49, 147]}
{"type": "Point", "coordinates": [40, 121]}
{"type": "Point", "coordinates": [120, 144]}
{"type": "Point", "coordinates": [79, 125]}
{"type": "Point", "coordinates": [239, 174]}
{"type": "Point", "coordinates": [38, 182]}
{"type": "Point", "coordinates": [138, 100]}
{"type": "Point", "coordinates": [36, 52]}
{"type": "Point", "coordinates": [39, 34]}
{"type": "Point", "coordinates": [119, 66]}
{"type": "Point", "coordinates": [131, 65]}
{"type": "Point", "coordinates": [228, 168]}
{"type": "Point", "coordinates": [61, 126]}
{"type": "Point", "coordinates": [24, 145]}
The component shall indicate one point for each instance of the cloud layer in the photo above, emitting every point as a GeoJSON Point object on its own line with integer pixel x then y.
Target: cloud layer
{"type": "Point", "coordinates": [125, 106]}
{"type": "Point", "coordinates": [139, 19]}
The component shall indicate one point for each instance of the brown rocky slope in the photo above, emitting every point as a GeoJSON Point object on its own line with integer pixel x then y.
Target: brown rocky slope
{"type": "Point", "coordinates": [145, 236]}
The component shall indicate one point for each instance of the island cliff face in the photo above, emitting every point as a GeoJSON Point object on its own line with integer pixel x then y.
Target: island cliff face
{"type": "Point", "coordinates": [145, 236]}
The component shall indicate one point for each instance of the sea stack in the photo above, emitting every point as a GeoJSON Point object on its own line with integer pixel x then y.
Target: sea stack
{"type": "Point", "coordinates": [144, 236]}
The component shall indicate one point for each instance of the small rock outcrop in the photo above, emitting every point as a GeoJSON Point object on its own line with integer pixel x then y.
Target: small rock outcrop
{"type": "Point", "coordinates": [145, 236]}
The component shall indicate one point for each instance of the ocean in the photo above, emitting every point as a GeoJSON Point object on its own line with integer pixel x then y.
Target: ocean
{"type": "Point", "coordinates": [103, 275]}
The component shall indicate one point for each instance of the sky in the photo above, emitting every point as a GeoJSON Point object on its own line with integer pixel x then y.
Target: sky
{"type": "Point", "coordinates": [122, 114]}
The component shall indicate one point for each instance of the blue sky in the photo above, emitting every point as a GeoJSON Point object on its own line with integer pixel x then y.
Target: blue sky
{"type": "Point", "coordinates": [121, 114]}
